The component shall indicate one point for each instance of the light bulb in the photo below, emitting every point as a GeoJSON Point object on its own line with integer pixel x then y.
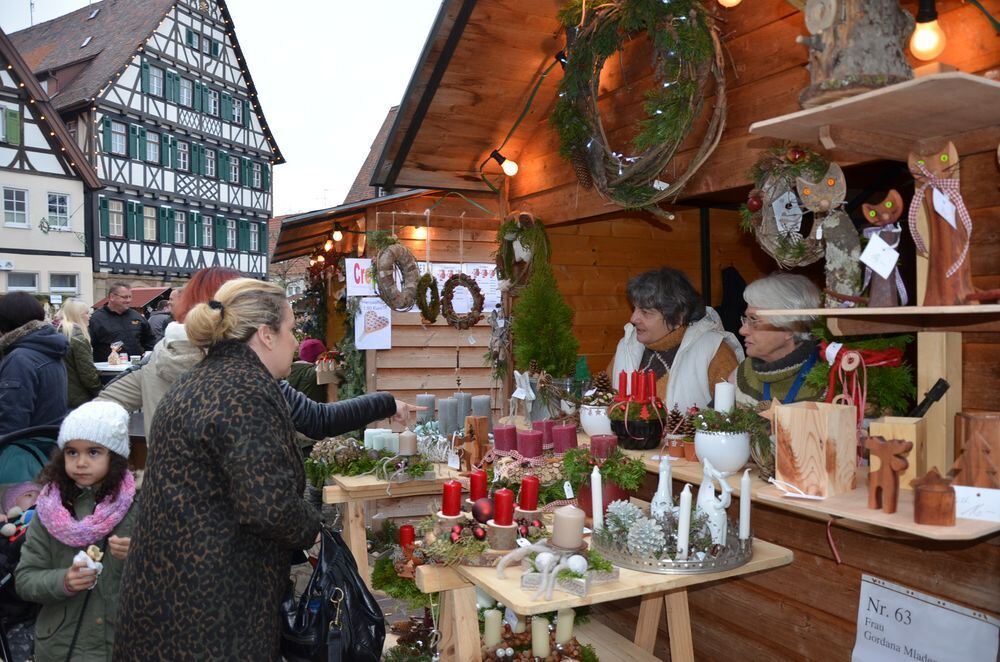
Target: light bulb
{"type": "Point", "coordinates": [509, 167]}
{"type": "Point", "coordinates": [420, 232]}
{"type": "Point", "coordinates": [321, 258]}
{"type": "Point", "coordinates": [928, 40]}
{"type": "Point", "coordinates": [729, 3]}
{"type": "Point", "coordinates": [328, 244]}
{"type": "Point", "coordinates": [337, 236]}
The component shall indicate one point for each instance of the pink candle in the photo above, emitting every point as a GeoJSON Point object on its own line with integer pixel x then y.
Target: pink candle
{"type": "Point", "coordinates": [602, 445]}
{"type": "Point", "coordinates": [529, 443]}
{"type": "Point", "coordinates": [563, 438]}
{"type": "Point", "coordinates": [406, 535]}
{"type": "Point", "coordinates": [451, 502]}
{"type": "Point", "coordinates": [477, 485]}
{"type": "Point", "coordinates": [528, 499]}
{"type": "Point", "coordinates": [503, 507]}
{"type": "Point", "coordinates": [504, 438]}
{"type": "Point", "coordinates": [545, 427]}
{"type": "Point", "coordinates": [650, 385]}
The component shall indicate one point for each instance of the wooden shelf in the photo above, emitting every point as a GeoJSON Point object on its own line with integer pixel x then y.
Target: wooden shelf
{"type": "Point", "coordinates": [902, 319]}
{"type": "Point", "coordinates": [892, 121]}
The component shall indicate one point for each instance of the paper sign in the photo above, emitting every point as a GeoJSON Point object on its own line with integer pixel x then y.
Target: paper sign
{"type": "Point", "coordinates": [461, 301]}
{"type": "Point", "coordinates": [880, 256]}
{"type": "Point", "coordinates": [373, 325]}
{"type": "Point", "coordinates": [55, 299]}
{"type": "Point", "coordinates": [944, 207]}
{"type": "Point", "coordinates": [523, 542]}
{"type": "Point", "coordinates": [787, 212]}
{"type": "Point", "coordinates": [567, 489]}
{"type": "Point", "coordinates": [977, 503]}
{"type": "Point", "coordinates": [485, 275]}
{"type": "Point", "coordinates": [454, 461]}
{"type": "Point", "coordinates": [897, 623]}
{"type": "Point", "coordinates": [510, 618]}
{"type": "Point", "coordinates": [359, 281]}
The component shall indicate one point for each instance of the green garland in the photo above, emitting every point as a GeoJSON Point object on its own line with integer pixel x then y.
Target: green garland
{"type": "Point", "coordinates": [528, 230]}
{"type": "Point", "coordinates": [428, 309]}
{"type": "Point", "coordinates": [618, 468]}
{"type": "Point", "coordinates": [386, 579]}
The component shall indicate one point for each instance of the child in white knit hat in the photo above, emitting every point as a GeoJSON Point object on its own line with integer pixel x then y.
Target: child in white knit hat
{"type": "Point", "coordinates": [87, 505]}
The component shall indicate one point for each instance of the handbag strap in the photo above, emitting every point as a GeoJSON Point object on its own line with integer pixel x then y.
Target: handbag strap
{"type": "Point", "coordinates": [83, 609]}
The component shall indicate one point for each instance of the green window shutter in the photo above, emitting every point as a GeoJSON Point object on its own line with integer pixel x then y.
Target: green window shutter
{"type": "Point", "coordinates": [142, 143]}
{"type": "Point", "coordinates": [165, 149]}
{"type": "Point", "coordinates": [105, 130]}
{"type": "Point", "coordinates": [133, 141]}
{"type": "Point", "coordinates": [193, 225]}
{"type": "Point", "coordinates": [130, 220]}
{"type": "Point", "coordinates": [194, 159]}
{"type": "Point", "coordinates": [246, 113]}
{"type": "Point", "coordinates": [105, 221]}
{"type": "Point", "coordinates": [140, 223]}
{"type": "Point", "coordinates": [246, 172]}
{"type": "Point", "coordinates": [12, 122]}
{"type": "Point", "coordinates": [189, 37]}
{"type": "Point", "coordinates": [135, 221]}
{"type": "Point", "coordinates": [173, 86]}
{"type": "Point", "coordinates": [243, 235]}
{"type": "Point", "coordinates": [216, 48]}
{"type": "Point", "coordinates": [222, 166]}
{"type": "Point", "coordinates": [173, 152]}
{"type": "Point", "coordinates": [220, 233]}
{"type": "Point", "coordinates": [265, 176]}
{"type": "Point", "coordinates": [227, 107]}
{"type": "Point", "coordinates": [144, 75]}
{"type": "Point", "coordinates": [262, 228]}
{"type": "Point", "coordinates": [199, 95]}
{"type": "Point", "coordinates": [165, 215]}
{"type": "Point", "coordinates": [171, 226]}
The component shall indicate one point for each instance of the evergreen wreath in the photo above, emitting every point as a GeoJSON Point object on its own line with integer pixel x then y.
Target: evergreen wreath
{"type": "Point", "coordinates": [448, 309]}
{"type": "Point", "coordinates": [687, 53]}
{"type": "Point", "coordinates": [432, 308]}
{"type": "Point", "coordinates": [530, 232]}
{"type": "Point", "coordinates": [390, 258]}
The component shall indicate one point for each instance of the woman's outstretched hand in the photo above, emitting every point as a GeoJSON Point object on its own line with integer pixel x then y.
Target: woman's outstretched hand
{"type": "Point", "coordinates": [403, 411]}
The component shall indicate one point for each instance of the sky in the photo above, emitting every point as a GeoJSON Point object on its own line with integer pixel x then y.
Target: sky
{"type": "Point", "coordinates": [327, 72]}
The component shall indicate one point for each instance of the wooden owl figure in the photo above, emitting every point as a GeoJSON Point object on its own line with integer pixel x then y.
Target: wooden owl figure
{"type": "Point", "coordinates": [949, 274]}
{"type": "Point", "coordinates": [883, 217]}
{"type": "Point", "coordinates": [824, 198]}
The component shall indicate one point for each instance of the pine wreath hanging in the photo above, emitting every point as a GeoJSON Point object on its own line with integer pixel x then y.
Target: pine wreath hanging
{"type": "Point", "coordinates": [448, 309]}
{"type": "Point", "coordinates": [687, 53]}
{"type": "Point", "coordinates": [429, 309]}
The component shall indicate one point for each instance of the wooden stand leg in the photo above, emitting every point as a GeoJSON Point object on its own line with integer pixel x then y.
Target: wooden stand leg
{"type": "Point", "coordinates": [649, 621]}
{"type": "Point", "coordinates": [459, 627]}
{"type": "Point", "coordinates": [679, 626]}
{"type": "Point", "coordinates": [354, 536]}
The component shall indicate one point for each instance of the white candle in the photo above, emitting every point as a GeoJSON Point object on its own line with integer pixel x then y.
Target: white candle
{"type": "Point", "coordinates": [745, 505]}
{"type": "Point", "coordinates": [491, 630]}
{"type": "Point", "coordinates": [665, 488]}
{"type": "Point", "coordinates": [407, 442]}
{"type": "Point", "coordinates": [540, 637]}
{"type": "Point", "coordinates": [684, 525]}
{"type": "Point", "coordinates": [378, 441]}
{"type": "Point", "coordinates": [520, 625]}
{"type": "Point", "coordinates": [564, 625]}
{"type": "Point", "coordinates": [725, 397]}
{"type": "Point", "coordinates": [597, 498]}
{"type": "Point", "coordinates": [392, 442]}
{"type": "Point", "coordinates": [370, 436]}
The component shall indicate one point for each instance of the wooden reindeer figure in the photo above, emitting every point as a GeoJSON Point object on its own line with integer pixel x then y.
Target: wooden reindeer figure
{"type": "Point", "coordinates": [883, 482]}
{"type": "Point", "coordinates": [473, 441]}
{"type": "Point", "coordinates": [949, 273]}
{"type": "Point", "coordinates": [843, 246]}
{"type": "Point", "coordinates": [883, 217]}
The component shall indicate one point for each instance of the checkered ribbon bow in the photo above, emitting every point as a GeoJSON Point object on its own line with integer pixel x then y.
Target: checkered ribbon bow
{"type": "Point", "coordinates": [952, 189]}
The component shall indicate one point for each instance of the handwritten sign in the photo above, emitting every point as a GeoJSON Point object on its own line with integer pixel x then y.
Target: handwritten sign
{"type": "Point", "coordinates": [977, 503]}
{"type": "Point", "coordinates": [359, 280]}
{"type": "Point", "coordinates": [897, 623]}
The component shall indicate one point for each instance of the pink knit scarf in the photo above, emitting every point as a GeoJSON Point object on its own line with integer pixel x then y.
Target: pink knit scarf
{"type": "Point", "coordinates": [79, 533]}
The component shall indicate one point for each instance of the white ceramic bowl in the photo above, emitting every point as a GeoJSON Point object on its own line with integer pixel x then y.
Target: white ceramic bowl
{"type": "Point", "coordinates": [594, 420]}
{"type": "Point", "coordinates": [727, 451]}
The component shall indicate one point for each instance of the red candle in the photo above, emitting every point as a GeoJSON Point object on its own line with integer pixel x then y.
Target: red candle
{"type": "Point", "coordinates": [406, 536]}
{"type": "Point", "coordinates": [503, 507]}
{"type": "Point", "coordinates": [622, 385]}
{"type": "Point", "coordinates": [651, 386]}
{"type": "Point", "coordinates": [477, 485]}
{"type": "Point", "coordinates": [635, 384]}
{"type": "Point", "coordinates": [529, 443]}
{"type": "Point", "coordinates": [640, 393]}
{"type": "Point", "coordinates": [602, 445]}
{"type": "Point", "coordinates": [505, 438]}
{"type": "Point", "coordinates": [451, 502]}
{"type": "Point", "coordinates": [545, 427]}
{"type": "Point", "coordinates": [528, 499]}
{"type": "Point", "coordinates": [563, 438]}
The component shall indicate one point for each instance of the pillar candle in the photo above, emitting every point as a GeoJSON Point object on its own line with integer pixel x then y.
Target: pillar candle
{"type": "Point", "coordinates": [464, 401]}
{"type": "Point", "coordinates": [563, 437]}
{"type": "Point", "coordinates": [407, 442]}
{"type": "Point", "coordinates": [665, 488]}
{"type": "Point", "coordinates": [407, 534]}
{"type": "Point", "coordinates": [602, 445]}
{"type": "Point", "coordinates": [483, 406]}
{"type": "Point", "coordinates": [503, 507]}
{"type": "Point", "coordinates": [426, 400]}
{"type": "Point", "coordinates": [640, 390]}
{"type": "Point", "coordinates": [545, 427]}
{"type": "Point", "coordinates": [597, 498]}
{"type": "Point", "coordinates": [528, 498]}
{"type": "Point", "coordinates": [540, 637]}
{"type": "Point", "coordinates": [477, 485]}
{"type": "Point", "coordinates": [370, 436]}
{"type": "Point", "coordinates": [529, 443]}
{"type": "Point", "coordinates": [634, 387]}
{"type": "Point", "coordinates": [684, 525]}
{"type": "Point", "coordinates": [451, 502]}
{"type": "Point", "coordinates": [392, 442]}
{"type": "Point", "coordinates": [725, 396]}
{"type": "Point", "coordinates": [505, 438]}
{"type": "Point", "coordinates": [650, 385]}
{"type": "Point", "coordinates": [567, 529]}
{"type": "Point", "coordinates": [447, 415]}
{"type": "Point", "coordinates": [622, 384]}
{"type": "Point", "coordinates": [378, 441]}
{"type": "Point", "coordinates": [564, 625]}
{"type": "Point", "coordinates": [491, 629]}
{"type": "Point", "coordinates": [745, 505]}
{"type": "Point", "coordinates": [520, 625]}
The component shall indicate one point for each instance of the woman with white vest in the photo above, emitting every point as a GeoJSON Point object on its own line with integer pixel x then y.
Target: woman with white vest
{"type": "Point", "coordinates": [672, 333]}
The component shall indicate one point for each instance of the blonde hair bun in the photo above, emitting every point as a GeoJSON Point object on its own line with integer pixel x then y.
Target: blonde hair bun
{"type": "Point", "coordinates": [246, 305]}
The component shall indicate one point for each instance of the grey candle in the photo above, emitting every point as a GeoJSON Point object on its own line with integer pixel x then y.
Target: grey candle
{"type": "Point", "coordinates": [426, 400]}
{"type": "Point", "coordinates": [482, 406]}
{"type": "Point", "coordinates": [448, 415]}
{"type": "Point", "coordinates": [464, 401]}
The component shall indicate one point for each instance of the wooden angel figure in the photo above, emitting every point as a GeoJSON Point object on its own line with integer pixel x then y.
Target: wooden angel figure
{"type": "Point", "coordinates": [883, 218]}
{"type": "Point", "coordinates": [825, 198]}
{"type": "Point", "coordinates": [714, 507]}
{"type": "Point", "coordinates": [938, 189]}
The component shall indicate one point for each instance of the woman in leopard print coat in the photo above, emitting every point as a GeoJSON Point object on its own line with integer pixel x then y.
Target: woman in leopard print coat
{"type": "Point", "coordinates": [221, 507]}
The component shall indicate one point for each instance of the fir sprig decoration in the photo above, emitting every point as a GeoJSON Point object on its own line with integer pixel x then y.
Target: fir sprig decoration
{"type": "Point", "coordinates": [625, 472]}
{"type": "Point", "coordinates": [386, 579]}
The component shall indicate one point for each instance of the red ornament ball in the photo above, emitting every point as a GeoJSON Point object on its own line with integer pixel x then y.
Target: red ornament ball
{"type": "Point", "coordinates": [536, 523]}
{"type": "Point", "coordinates": [479, 533]}
{"type": "Point", "coordinates": [482, 510]}
{"type": "Point", "coordinates": [522, 531]}
{"type": "Point", "coordinates": [455, 536]}
{"type": "Point", "coordinates": [457, 529]}
{"type": "Point", "coordinates": [754, 204]}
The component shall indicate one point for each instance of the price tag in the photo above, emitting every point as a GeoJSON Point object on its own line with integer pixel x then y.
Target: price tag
{"type": "Point", "coordinates": [787, 212]}
{"type": "Point", "coordinates": [510, 618]}
{"type": "Point", "coordinates": [523, 542]}
{"type": "Point", "coordinates": [453, 461]}
{"type": "Point", "coordinates": [880, 256]}
{"type": "Point", "coordinates": [819, 231]}
{"type": "Point", "coordinates": [568, 489]}
{"type": "Point", "coordinates": [944, 207]}
{"type": "Point", "coordinates": [977, 503]}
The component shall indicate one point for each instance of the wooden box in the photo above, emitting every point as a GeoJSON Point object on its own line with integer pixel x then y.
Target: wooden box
{"type": "Point", "coordinates": [908, 429]}
{"type": "Point", "coordinates": [816, 447]}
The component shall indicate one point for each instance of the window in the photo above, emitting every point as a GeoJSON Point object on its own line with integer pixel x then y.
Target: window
{"type": "Point", "coordinates": [234, 169]}
{"type": "Point", "coordinates": [206, 45]}
{"type": "Point", "coordinates": [152, 147]}
{"type": "Point", "coordinates": [231, 234]}
{"type": "Point", "coordinates": [254, 238]}
{"type": "Point", "coordinates": [119, 140]}
{"type": "Point", "coordinates": [149, 223]}
{"type": "Point", "coordinates": [15, 207]}
{"type": "Point", "coordinates": [194, 40]}
{"type": "Point", "coordinates": [207, 237]}
{"type": "Point", "coordinates": [63, 283]}
{"type": "Point", "coordinates": [237, 111]}
{"type": "Point", "coordinates": [187, 92]}
{"type": "Point", "coordinates": [180, 227]}
{"type": "Point", "coordinates": [210, 162]}
{"type": "Point", "coordinates": [59, 210]}
{"type": "Point", "coordinates": [183, 156]}
{"type": "Point", "coordinates": [256, 175]}
{"type": "Point", "coordinates": [213, 102]}
{"type": "Point", "coordinates": [19, 281]}
{"type": "Point", "coordinates": [116, 218]}
{"type": "Point", "coordinates": [156, 81]}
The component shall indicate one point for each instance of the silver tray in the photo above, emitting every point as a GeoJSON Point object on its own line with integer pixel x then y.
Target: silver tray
{"type": "Point", "coordinates": [733, 555]}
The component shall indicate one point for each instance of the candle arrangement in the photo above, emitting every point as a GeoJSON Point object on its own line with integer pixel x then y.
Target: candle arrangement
{"type": "Point", "coordinates": [345, 456]}
{"type": "Point", "coordinates": [534, 640]}
{"type": "Point", "coordinates": [638, 414]}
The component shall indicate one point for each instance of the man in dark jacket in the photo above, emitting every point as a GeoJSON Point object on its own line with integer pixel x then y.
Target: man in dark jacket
{"type": "Point", "coordinates": [117, 322]}
{"type": "Point", "coordinates": [159, 320]}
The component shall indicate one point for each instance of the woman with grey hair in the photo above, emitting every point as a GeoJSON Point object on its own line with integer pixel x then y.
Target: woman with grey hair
{"type": "Point", "coordinates": [674, 334]}
{"type": "Point", "coordinates": [780, 349]}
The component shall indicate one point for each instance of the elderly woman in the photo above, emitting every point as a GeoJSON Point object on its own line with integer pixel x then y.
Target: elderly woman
{"type": "Point", "coordinates": [780, 350]}
{"type": "Point", "coordinates": [672, 333]}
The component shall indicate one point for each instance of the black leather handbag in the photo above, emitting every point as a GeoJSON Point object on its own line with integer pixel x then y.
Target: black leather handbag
{"type": "Point", "coordinates": [337, 618]}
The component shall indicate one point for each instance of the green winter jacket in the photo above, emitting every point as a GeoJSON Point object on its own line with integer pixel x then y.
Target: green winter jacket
{"type": "Point", "coordinates": [83, 382]}
{"type": "Point", "coordinates": [39, 578]}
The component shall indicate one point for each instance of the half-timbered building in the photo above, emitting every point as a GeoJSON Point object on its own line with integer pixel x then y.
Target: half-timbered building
{"type": "Point", "coordinates": [161, 99]}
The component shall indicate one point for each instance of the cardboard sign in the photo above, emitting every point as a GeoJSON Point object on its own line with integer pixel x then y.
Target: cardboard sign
{"type": "Point", "coordinates": [373, 325]}
{"type": "Point", "coordinates": [880, 256]}
{"type": "Point", "coordinates": [485, 275]}
{"type": "Point", "coordinates": [977, 503]}
{"type": "Point", "coordinates": [359, 280]}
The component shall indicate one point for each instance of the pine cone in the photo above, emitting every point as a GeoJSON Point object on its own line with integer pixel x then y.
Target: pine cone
{"type": "Point", "coordinates": [532, 367]}
{"type": "Point", "coordinates": [602, 383]}
{"type": "Point", "coordinates": [582, 170]}
{"type": "Point", "coordinates": [687, 428]}
{"type": "Point", "coordinates": [674, 418]}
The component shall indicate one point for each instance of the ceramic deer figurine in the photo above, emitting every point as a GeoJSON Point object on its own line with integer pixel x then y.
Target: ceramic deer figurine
{"type": "Point", "coordinates": [824, 198]}
{"type": "Point", "coordinates": [949, 274]}
{"type": "Point", "coordinates": [883, 218]}
{"type": "Point", "coordinates": [714, 507]}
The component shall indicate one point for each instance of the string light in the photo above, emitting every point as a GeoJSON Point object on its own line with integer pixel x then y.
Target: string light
{"type": "Point", "coordinates": [420, 232]}
{"type": "Point", "coordinates": [729, 4]}
{"type": "Point", "coordinates": [337, 236]}
{"type": "Point", "coordinates": [928, 40]}
{"type": "Point", "coordinates": [508, 166]}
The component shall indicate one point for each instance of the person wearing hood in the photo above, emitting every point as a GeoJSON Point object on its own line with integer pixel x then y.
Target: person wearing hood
{"type": "Point", "coordinates": [674, 334]}
{"type": "Point", "coordinates": [33, 383]}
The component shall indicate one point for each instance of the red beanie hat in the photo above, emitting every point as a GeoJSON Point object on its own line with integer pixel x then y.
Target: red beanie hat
{"type": "Point", "coordinates": [310, 349]}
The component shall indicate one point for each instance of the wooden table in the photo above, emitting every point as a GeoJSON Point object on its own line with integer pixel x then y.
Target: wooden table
{"type": "Point", "coordinates": [460, 630]}
{"type": "Point", "coordinates": [354, 491]}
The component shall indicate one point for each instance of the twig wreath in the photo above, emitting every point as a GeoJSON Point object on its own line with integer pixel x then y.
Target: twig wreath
{"type": "Point", "coordinates": [687, 53]}
{"type": "Point", "coordinates": [429, 309]}
{"type": "Point", "coordinates": [448, 293]}
{"type": "Point", "coordinates": [390, 258]}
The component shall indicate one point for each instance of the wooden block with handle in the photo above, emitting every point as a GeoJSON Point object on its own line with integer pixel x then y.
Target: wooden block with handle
{"type": "Point", "coordinates": [816, 447]}
{"type": "Point", "coordinates": [933, 500]}
{"type": "Point", "coordinates": [911, 429]}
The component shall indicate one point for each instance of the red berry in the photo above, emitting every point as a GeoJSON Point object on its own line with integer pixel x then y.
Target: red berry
{"type": "Point", "coordinates": [754, 204]}
{"type": "Point", "coordinates": [479, 533]}
{"type": "Point", "coordinates": [536, 523]}
{"type": "Point", "coordinates": [522, 530]}
{"type": "Point", "coordinates": [455, 536]}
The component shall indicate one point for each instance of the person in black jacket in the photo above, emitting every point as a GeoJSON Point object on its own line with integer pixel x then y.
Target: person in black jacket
{"type": "Point", "coordinates": [159, 320]}
{"type": "Point", "coordinates": [115, 321]}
